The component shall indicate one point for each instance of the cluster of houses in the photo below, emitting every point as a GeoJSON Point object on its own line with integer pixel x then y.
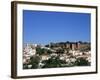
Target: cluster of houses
{"type": "Point", "coordinates": [71, 52]}
{"type": "Point", "coordinates": [28, 51]}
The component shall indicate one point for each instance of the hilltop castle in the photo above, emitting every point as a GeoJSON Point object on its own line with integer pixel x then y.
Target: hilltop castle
{"type": "Point", "coordinates": [69, 45]}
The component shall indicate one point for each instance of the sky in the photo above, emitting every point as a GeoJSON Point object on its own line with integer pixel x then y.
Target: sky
{"type": "Point", "coordinates": [43, 27]}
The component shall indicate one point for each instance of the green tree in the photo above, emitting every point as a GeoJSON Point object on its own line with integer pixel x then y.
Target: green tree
{"type": "Point", "coordinates": [60, 51]}
{"type": "Point", "coordinates": [47, 45]}
{"type": "Point", "coordinates": [82, 62]}
{"type": "Point", "coordinates": [40, 51]}
{"type": "Point", "coordinates": [49, 51]}
{"type": "Point", "coordinates": [25, 66]}
{"type": "Point", "coordinates": [34, 61]}
{"type": "Point", "coordinates": [53, 62]}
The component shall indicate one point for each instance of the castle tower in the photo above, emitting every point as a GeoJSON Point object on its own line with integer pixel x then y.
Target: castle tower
{"type": "Point", "coordinates": [73, 46]}
{"type": "Point", "coordinates": [78, 45]}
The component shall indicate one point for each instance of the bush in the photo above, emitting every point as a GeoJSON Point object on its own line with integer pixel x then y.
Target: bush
{"type": "Point", "coordinates": [34, 61]}
{"type": "Point", "coordinates": [53, 62]}
{"type": "Point", "coordinates": [82, 62]}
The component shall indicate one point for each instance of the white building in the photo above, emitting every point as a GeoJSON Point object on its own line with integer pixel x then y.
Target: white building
{"type": "Point", "coordinates": [28, 51]}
